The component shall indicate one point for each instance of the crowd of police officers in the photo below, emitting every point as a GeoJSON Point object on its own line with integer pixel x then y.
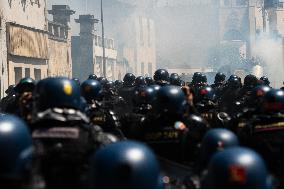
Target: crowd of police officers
{"type": "Point", "coordinates": [142, 133]}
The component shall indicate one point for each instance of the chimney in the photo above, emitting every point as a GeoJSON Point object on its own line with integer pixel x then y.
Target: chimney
{"type": "Point", "coordinates": [87, 23]}
{"type": "Point", "coordinates": [61, 14]}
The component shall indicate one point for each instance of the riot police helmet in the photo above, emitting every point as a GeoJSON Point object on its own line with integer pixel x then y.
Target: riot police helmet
{"type": "Point", "coordinates": [103, 81]}
{"type": "Point", "coordinates": [237, 168]}
{"type": "Point", "coordinates": [57, 92]}
{"type": "Point", "coordinates": [149, 80]}
{"type": "Point", "coordinates": [206, 93]}
{"type": "Point", "coordinates": [175, 79]}
{"type": "Point", "coordinates": [273, 101]}
{"type": "Point", "coordinates": [220, 77]}
{"type": "Point", "coordinates": [144, 95]}
{"type": "Point", "coordinates": [196, 77]}
{"type": "Point", "coordinates": [170, 100]}
{"type": "Point", "coordinates": [140, 81]}
{"type": "Point", "coordinates": [90, 89]}
{"type": "Point", "coordinates": [161, 75]}
{"type": "Point", "coordinates": [25, 85]}
{"type": "Point", "coordinates": [118, 83]}
{"type": "Point", "coordinates": [16, 148]}
{"type": "Point", "coordinates": [250, 81]}
{"type": "Point", "coordinates": [265, 80]}
{"type": "Point", "coordinates": [216, 140]}
{"type": "Point", "coordinates": [125, 165]}
{"type": "Point", "coordinates": [77, 80]}
{"type": "Point", "coordinates": [234, 82]}
{"type": "Point", "coordinates": [129, 79]}
{"type": "Point", "coordinates": [93, 76]}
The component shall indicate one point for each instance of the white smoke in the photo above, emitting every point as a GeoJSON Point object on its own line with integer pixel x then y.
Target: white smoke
{"type": "Point", "coordinates": [270, 50]}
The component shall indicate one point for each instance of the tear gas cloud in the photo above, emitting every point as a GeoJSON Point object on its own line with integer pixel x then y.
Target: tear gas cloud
{"type": "Point", "coordinates": [188, 32]}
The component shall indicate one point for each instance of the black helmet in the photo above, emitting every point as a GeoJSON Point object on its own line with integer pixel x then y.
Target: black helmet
{"type": "Point", "coordinates": [250, 81]}
{"type": "Point", "coordinates": [16, 148]}
{"type": "Point", "coordinates": [57, 93]}
{"type": "Point", "coordinates": [206, 93]}
{"type": "Point", "coordinates": [273, 101]}
{"type": "Point", "coordinates": [129, 79]}
{"type": "Point", "coordinates": [260, 91]}
{"type": "Point", "coordinates": [77, 81]}
{"type": "Point", "coordinates": [237, 168]}
{"type": "Point", "coordinates": [175, 79]}
{"type": "Point", "coordinates": [149, 80]}
{"type": "Point", "coordinates": [118, 83]}
{"type": "Point", "coordinates": [25, 85]}
{"type": "Point", "coordinates": [90, 89]}
{"type": "Point", "coordinates": [109, 85]}
{"type": "Point", "coordinates": [233, 76]}
{"type": "Point", "coordinates": [234, 82]}
{"type": "Point", "coordinates": [144, 95]}
{"type": "Point", "coordinates": [203, 79]}
{"type": "Point", "coordinates": [216, 140]}
{"type": "Point", "coordinates": [125, 165]}
{"type": "Point", "coordinates": [171, 100]}
{"type": "Point", "coordinates": [140, 81]}
{"type": "Point", "coordinates": [265, 80]}
{"type": "Point", "coordinates": [156, 87]}
{"type": "Point", "coordinates": [103, 81]}
{"type": "Point", "coordinates": [92, 76]}
{"type": "Point", "coordinates": [220, 77]}
{"type": "Point", "coordinates": [196, 77]}
{"type": "Point", "coordinates": [161, 75]}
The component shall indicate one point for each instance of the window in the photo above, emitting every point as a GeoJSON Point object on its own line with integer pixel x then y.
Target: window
{"type": "Point", "coordinates": [37, 73]}
{"type": "Point", "coordinates": [96, 40]}
{"type": "Point", "coordinates": [241, 2]}
{"type": "Point", "coordinates": [227, 3]}
{"type": "Point", "coordinates": [18, 74]}
{"type": "Point", "coordinates": [141, 31]}
{"type": "Point", "coordinates": [142, 69]}
{"type": "Point", "coordinates": [27, 72]}
{"type": "Point", "coordinates": [150, 69]}
{"type": "Point", "coordinates": [149, 32]}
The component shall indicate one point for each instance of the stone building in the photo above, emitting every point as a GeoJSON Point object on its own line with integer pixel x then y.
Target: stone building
{"type": "Point", "coordinates": [133, 30]}
{"type": "Point", "coordinates": [59, 43]}
{"type": "Point", "coordinates": [30, 45]}
{"type": "Point", "coordinates": [140, 49]}
{"type": "Point", "coordinates": [87, 51]}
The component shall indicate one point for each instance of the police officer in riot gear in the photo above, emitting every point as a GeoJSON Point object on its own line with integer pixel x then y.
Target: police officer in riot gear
{"type": "Point", "coordinates": [98, 113]}
{"type": "Point", "coordinates": [127, 91]}
{"type": "Point", "coordinates": [230, 95]}
{"type": "Point", "coordinates": [63, 136]}
{"type": "Point", "coordinates": [171, 133]}
{"type": "Point", "coordinates": [17, 152]}
{"type": "Point", "coordinates": [20, 102]}
{"type": "Point", "coordinates": [219, 83]}
{"type": "Point", "coordinates": [263, 131]}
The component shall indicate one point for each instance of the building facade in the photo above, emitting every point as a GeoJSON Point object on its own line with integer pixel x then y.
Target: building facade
{"type": "Point", "coordinates": [29, 43]}
{"type": "Point", "coordinates": [87, 51]}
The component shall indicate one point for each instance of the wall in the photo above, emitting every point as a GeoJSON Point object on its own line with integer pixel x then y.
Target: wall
{"type": "Point", "coordinates": [60, 63]}
{"type": "Point", "coordinates": [22, 12]}
{"type": "Point", "coordinates": [145, 46]}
